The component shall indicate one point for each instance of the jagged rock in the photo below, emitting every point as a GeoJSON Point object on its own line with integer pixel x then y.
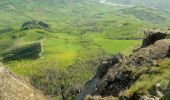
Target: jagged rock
{"type": "Point", "coordinates": [148, 55]}
{"type": "Point", "coordinates": [14, 88]}
{"type": "Point", "coordinates": [152, 36]}
{"type": "Point", "coordinates": [113, 78]}
{"type": "Point", "coordinates": [94, 83]}
{"type": "Point", "coordinates": [105, 65]}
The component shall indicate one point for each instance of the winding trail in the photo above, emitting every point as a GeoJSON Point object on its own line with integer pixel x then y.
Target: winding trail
{"type": "Point", "coordinates": [114, 4]}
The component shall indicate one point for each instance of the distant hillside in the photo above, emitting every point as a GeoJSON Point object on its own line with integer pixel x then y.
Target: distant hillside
{"type": "Point", "coordinates": [47, 40]}
{"type": "Point", "coordinates": [160, 4]}
{"type": "Point", "coordinates": [151, 15]}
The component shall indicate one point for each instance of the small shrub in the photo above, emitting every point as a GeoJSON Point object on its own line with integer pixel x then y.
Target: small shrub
{"type": "Point", "coordinates": [34, 24]}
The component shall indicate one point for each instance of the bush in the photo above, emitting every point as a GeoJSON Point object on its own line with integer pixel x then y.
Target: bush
{"type": "Point", "coordinates": [55, 83]}
{"type": "Point", "coordinates": [35, 24]}
{"type": "Point", "coordinates": [67, 83]}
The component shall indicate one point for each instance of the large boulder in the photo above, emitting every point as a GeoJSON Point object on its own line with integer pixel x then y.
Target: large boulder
{"type": "Point", "coordinates": [14, 88]}
{"type": "Point", "coordinates": [153, 35]}
{"type": "Point", "coordinates": [148, 55]}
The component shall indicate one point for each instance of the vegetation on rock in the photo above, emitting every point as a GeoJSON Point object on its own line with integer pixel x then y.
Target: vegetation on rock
{"type": "Point", "coordinates": [118, 79]}
{"type": "Point", "coordinates": [76, 35]}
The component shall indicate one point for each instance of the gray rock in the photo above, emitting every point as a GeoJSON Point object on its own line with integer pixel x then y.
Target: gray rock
{"type": "Point", "coordinates": [14, 88]}
{"type": "Point", "coordinates": [113, 78]}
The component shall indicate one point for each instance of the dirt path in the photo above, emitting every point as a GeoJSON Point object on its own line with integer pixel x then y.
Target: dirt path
{"type": "Point", "coordinates": [114, 4]}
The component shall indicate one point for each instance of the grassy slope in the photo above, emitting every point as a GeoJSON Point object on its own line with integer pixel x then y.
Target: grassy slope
{"type": "Point", "coordinates": [80, 30]}
{"type": "Point", "coordinates": [76, 25]}
{"type": "Point", "coordinates": [157, 75]}
{"type": "Point", "coordinates": [61, 49]}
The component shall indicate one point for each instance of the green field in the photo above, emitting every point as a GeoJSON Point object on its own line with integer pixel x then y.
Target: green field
{"type": "Point", "coordinates": [60, 51]}
{"type": "Point", "coordinates": [80, 34]}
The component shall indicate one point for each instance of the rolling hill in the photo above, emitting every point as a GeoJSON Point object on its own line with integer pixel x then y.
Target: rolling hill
{"type": "Point", "coordinates": [158, 4]}
{"type": "Point", "coordinates": [71, 34]}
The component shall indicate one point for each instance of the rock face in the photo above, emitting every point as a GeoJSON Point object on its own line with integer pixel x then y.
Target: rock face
{"type": "Point", "coordinates": [152, 36]}
{"type": "Point", "coordinates": [14, 88]}
{"type": "Point", "coordinates": [96, 80]}
{"type": "Point", "coordinates": [148, 55]}
{"type": "Point", "coordinates": [113, 78]}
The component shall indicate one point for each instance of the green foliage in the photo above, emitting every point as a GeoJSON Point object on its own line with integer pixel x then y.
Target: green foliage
{"type": "Point", "coordinates": [35, 24]}
{"type": "Point", "coordinates": [67, 83]}
{"type": "Point", "coordinates": [153, 76]}
{"type": "Point", "coordinates": [81, 33]}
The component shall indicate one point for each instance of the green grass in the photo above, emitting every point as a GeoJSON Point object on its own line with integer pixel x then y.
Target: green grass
{"type": "Point", "coordinates": [62, 51]}
{"type": "Point", "coordinates": [117, 46]}
{"type": "Point", "coordinates": [81, 31]}
{"type": "Point", "coordinates": [146, 81]}
{"type": "Point", "coordinates": [76, 27]}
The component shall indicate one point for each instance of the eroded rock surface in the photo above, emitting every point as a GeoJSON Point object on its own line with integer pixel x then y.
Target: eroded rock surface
{"type": "Point", "coordinates": [152, 36]}
{"type": "Point", "coordinates": [148, 55]}
{"type": "Point", "coordinates": [14, 88]}
{"type": "Point", "coordinates": [113, 78]}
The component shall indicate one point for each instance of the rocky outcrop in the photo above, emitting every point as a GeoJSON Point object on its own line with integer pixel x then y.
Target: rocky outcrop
{"type": "Point", "coordinates": [113, 78]}
{"type": "Point", "coordinates": [152, 36]}
{"type": "Point", "coordinates": [150, 54]}
{"type": "Point", "coordinates": [91, 85]}
{"type": "Point", "coordinates": [14, 88]}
